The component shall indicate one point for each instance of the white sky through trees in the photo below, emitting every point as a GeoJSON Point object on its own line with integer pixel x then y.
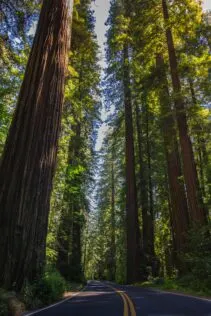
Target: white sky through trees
{"type": "Point", "coordinates": [207, 5]}
{"type": "Point", "coordinates": [101, 8]}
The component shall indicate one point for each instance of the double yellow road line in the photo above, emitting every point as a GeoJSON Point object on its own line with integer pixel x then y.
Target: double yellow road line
{"type": "Point", "coordinates": [129, 308]}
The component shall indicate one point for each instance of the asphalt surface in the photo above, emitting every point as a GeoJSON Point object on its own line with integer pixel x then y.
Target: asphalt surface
{"type": "Point", "coordinates": [109, 299]}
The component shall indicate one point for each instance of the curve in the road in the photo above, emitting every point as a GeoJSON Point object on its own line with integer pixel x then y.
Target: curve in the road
{"type": "Point", "coordinates": [110, 299]}
{"type": "Point", "coordinates": [95, 299]}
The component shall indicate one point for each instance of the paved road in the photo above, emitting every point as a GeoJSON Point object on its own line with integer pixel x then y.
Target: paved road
{"type": "Point", "coordinates": [109, 299]}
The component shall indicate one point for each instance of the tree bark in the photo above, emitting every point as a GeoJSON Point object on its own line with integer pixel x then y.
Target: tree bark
{"type": "Point", "coordinates": [151, 250]}
{"type": "Point", "coordinates": [200, 140]}
{"type": "Point", "coordinates": [29, 158]}
{"type": "Point", "coordinates": [195, 203]}
{"type": "Point", "coordinates": [69, 234]}
{"type": "Point", "coordinates": [75, 266]}
{"type": "Point", "coordinates": [146, 193]}
{"type": "Point", "coordinates": [179, 209]}
{"type": "Point", "coordinates": [143, 182]}
{"type": "Point", "coordinates": [113, 223]}
{"type": "Point", "coordinates": [133, 233]}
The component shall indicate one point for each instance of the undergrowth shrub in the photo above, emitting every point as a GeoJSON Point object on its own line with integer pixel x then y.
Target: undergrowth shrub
{"type": "Point", "coordinates": [10, 304]}
{"type": "Point", "coordinates": [3, 308]}
{"type": "Point", "coordinates": [3, 305]}
{"type": "Point", "coordinates": [198, 257]}
{"type": "Point", "coordinates": [47, 290]}
{"type": "Point", "coordinates": [51, 287]}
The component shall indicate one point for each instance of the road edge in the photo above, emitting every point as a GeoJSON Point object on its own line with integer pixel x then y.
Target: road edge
{"type": "Point", "coordinates": [55, 304]}
{"type": "Point", "coordinates": [178, 293]}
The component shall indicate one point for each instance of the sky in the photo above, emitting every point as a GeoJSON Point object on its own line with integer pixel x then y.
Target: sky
{"type": "Point", "coordinates": [101, 8]}
{"type": "Point", "coordinates": [207, 5]}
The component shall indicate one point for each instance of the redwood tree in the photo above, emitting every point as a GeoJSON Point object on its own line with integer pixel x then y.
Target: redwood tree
{"type": "Point", "coordinates": [134, 254]}
{"type": "Point", "coordinates": [179, 209]}
{"type": "Point", "coordinates": [29, 157]}
{"type": "Point", "coordinates": [133, 234]}
{"type": "Point", "coordinates": [195, 203]}
{"type": "Point", "coordinates": [113, 223]}
{"type": "Point", "coordinates": [145, 186]}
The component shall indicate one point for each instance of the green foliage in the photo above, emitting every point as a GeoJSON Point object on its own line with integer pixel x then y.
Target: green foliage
{"type": "Point", "coordinates": [198, 255]}
{"type": "Point", "coordinates": [10, 303]}
{"type": "Point", "coordinates": [188, 284]}
{"type": "Point", "coordinates": [3, 303]}
{"type": "Point", "coordinates": [143, 31]}
{"type": "Point", "coordinates": [73, 179]}
{"type": "Point", "coordinates": [45, 291]}
{"type": "Point", "coordinates": [16, 19]}
{"type": "Point", "coordinates": [51, 287]}
{"type": "Point", "coordinates": [197, 280]}
{"type": "Point", "coordinates": [82, 193]}
{"type": "Point", "coordinates": [51, 253]}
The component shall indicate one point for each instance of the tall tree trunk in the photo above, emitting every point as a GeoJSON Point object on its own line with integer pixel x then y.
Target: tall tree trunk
{"type": "Point", "coordinates": [75, 266]}
{"type": "Point", "coordinates": [143, 185]}
{"type": "Point", "coordinates": [85, 244]}
{"type": "Point", "coordinates": [151, 250]}
{"type": "Point", "coordinates": [29, 158]}
{"type": "Point", "coordinates": [113, 223]}
{"type": "Point", "coordinates": [146, 195]}
{"type": "Point", "coordinates": [201, 148]}
{"type": "Point", "coordinates": [133, 233]}
{"type": "Point", "coordinates": [146, 189]}
{"type": "Point", "coordinates": [179, 208]}
{"type": "Point", "coordinates": [63, 243]}
{"type": "Point", "coordinates": [195, 203]}
{"type": "Point", "coordinates": [69, 234]}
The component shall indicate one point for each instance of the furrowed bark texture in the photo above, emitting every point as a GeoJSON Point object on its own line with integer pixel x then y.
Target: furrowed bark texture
{"type": "Point", "coordinates": [179, 208]}
{"type": "Point", "coordinates": [29, 158]}
{"type": "Point", "coordinates": [133, 233]}
{"type": "Point", "coordinates": [195, 204]}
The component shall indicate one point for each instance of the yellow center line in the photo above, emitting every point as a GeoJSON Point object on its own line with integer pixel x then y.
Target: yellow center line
{"type": "Point", "coordinates": [127, 301]}
{"type": "Point", "coordinates": [126, 310]}
{"type": "Point", "coordinates": [131, 304]}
